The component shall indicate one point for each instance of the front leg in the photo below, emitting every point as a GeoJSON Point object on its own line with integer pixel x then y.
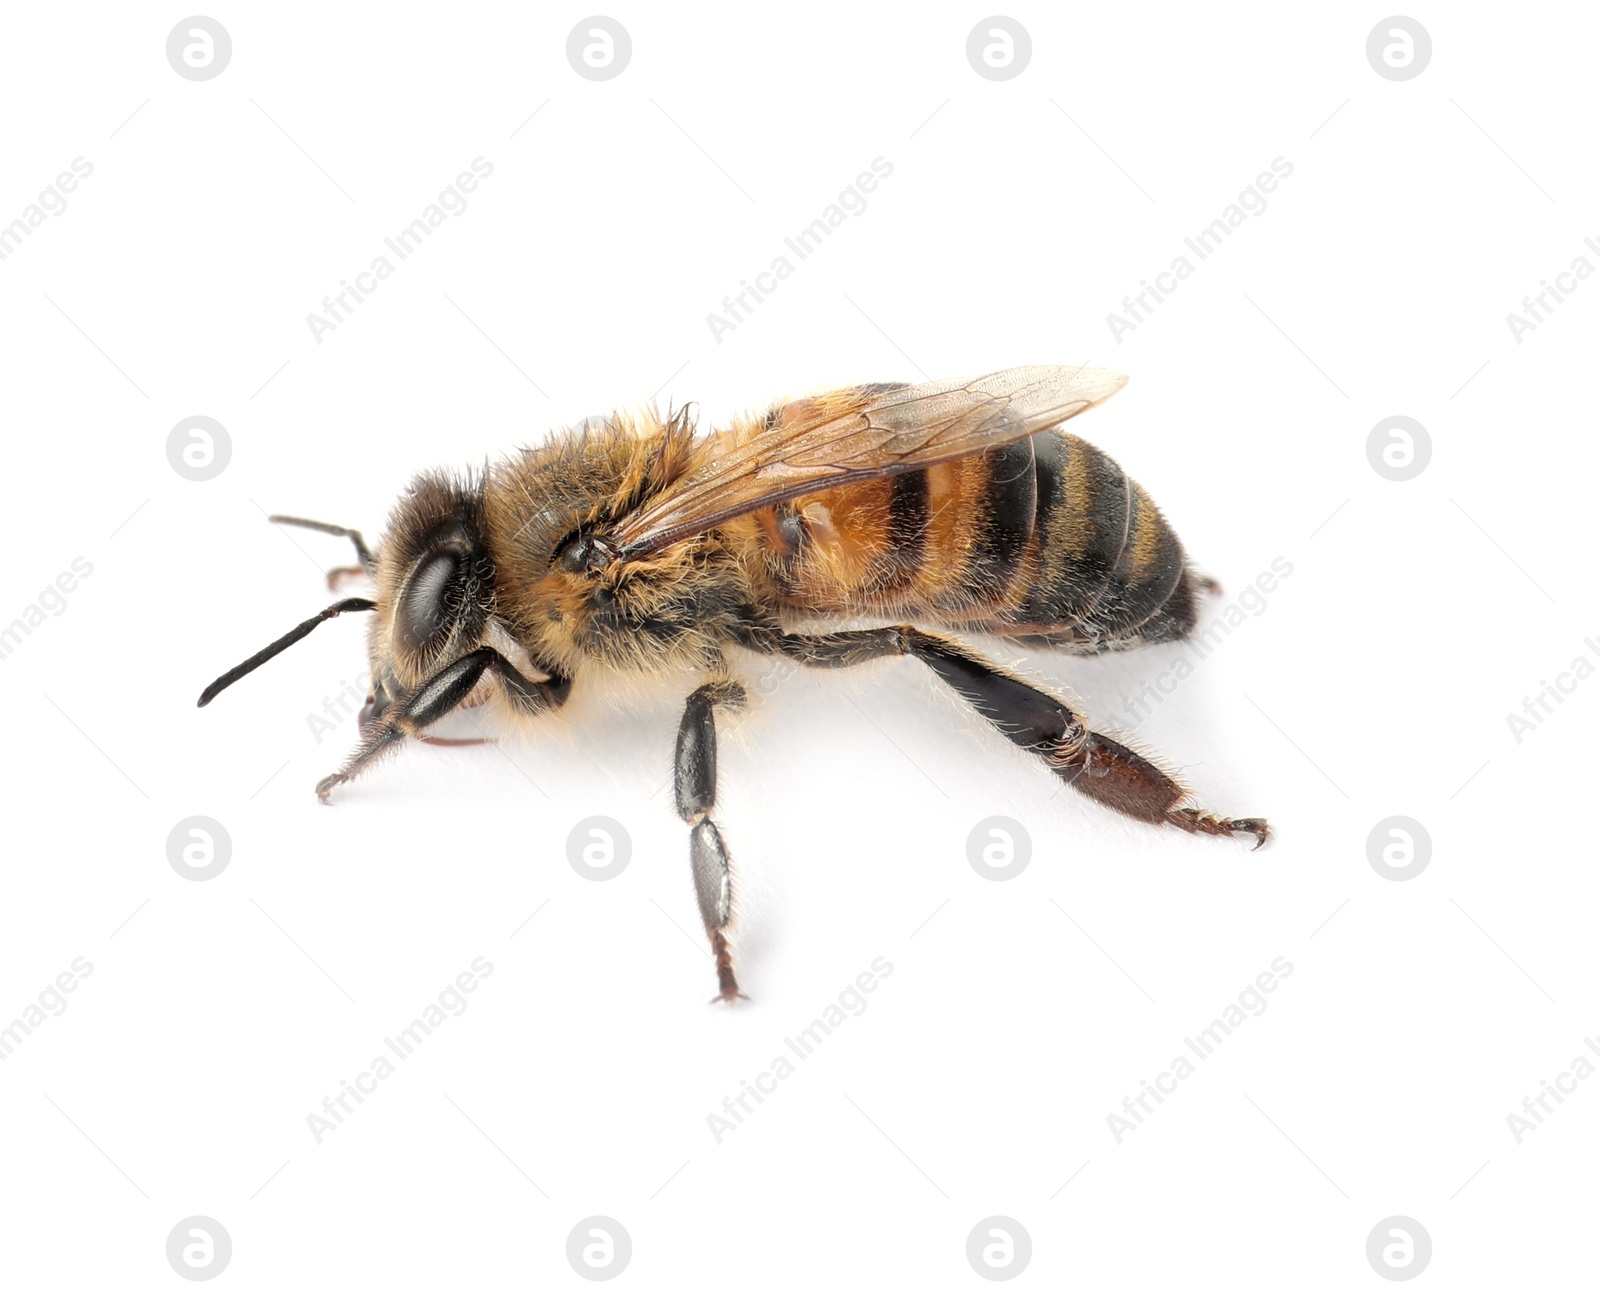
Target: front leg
{"type": "Point", "coordinates": [438, 696]}
{"type": "Point", "coordinates": [694, 769]}
{"type": "Point", "coordinates": [368, 562]}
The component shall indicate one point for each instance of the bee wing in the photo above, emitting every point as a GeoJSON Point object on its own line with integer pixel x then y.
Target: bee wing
{"type": "Point", "coordinates": [842, 437]}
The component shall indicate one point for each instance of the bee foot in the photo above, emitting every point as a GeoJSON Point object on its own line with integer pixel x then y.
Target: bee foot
{"type": "Point", "coordinates": [1195, 821]}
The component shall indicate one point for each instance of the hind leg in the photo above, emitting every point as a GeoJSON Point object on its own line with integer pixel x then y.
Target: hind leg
{"type": "Point", "coordinates": [440, 695]}
{"type": "Point", "coordinates": [1095, 765]}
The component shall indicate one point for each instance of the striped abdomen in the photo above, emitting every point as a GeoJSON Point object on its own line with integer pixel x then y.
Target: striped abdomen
{"type": "Point", "coordinates": [1046, 538]}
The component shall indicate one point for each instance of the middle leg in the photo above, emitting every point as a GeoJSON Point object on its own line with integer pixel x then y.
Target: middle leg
{"type": "Point", "coordinates": [694, 770]}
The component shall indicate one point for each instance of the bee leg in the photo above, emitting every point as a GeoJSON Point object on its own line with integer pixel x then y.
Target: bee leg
{"type": "Point", "coordinates": [694, 768]}
{"type": "Point", "coordinates": [438, 696]}
{"type": "Point", "coordinates": [337, 576]}
{"type": "Point", "coordinates": [1093, 764]}
{"type": "Point", "coordinates": [1113, 774]}
{"type": "Point", "coordinates": [449, 742]}
{"type": "Point", "coordinates": [368, 561]}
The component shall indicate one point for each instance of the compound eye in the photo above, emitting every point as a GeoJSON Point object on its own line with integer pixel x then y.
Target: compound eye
{"type": "Point", "coordinates": [431, 602]}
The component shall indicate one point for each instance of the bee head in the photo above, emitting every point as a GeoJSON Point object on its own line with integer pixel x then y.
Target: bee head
{"type": "Point", "coordinates": [435, 584]}
{"type": "Point", "coordinates": [435, 596]}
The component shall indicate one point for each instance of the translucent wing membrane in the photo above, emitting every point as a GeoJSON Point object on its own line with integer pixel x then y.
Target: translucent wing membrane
{"type": "Point", "coordinates": [842, 437]}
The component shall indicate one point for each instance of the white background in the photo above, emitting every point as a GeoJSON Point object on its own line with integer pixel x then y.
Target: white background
{"type": "Point", "coordinates": [979, 1080]}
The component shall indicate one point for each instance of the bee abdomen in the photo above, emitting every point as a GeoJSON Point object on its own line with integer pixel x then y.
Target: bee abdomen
{"type": "Point", "coordinates": [1003, 524]}
{"type": "Point", "coordinates": [1110, 566]}
{"type": "Point", "coordinates": [1045, 537]}
{"type": "Point", "coordinates": [947, 540]}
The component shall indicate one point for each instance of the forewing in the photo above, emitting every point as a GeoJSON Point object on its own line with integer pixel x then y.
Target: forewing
{"type": "Point", "coordinates": [842, 437]}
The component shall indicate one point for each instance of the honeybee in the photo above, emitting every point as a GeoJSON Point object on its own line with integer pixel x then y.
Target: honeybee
{"type": "Point", "coordinates": [636, 544]}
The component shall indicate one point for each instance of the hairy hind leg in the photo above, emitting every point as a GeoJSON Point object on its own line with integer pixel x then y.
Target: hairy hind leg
{"type": "Point", "coordinates": [1093, 764]}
